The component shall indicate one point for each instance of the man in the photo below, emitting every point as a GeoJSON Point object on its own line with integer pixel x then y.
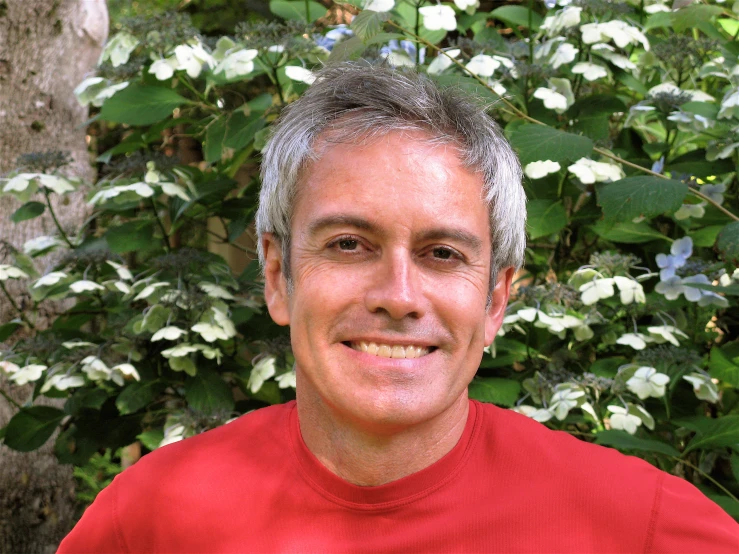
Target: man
{"type": "Point", "coordinates": [391, 221]}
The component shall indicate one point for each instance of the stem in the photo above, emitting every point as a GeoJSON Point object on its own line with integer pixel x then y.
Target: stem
{"type": "Point", "coordinates": [9, 399]}
{"type": "Point", "coordinates": [15, 306]}
{"type": "Point", "coordinates": [307, 11]}
{"type": "Point", "coordinates": [704, 474]}
{"type": "Point", "coordinates": [56, 221]}
{"type": "Point", "coordinates": [165, 237]}
{"type": "Point", "coordinates": [530, 119]}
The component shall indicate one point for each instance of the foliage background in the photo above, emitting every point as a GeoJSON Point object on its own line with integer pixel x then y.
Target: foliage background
{"type": "Point", "coordinates": [622, 328]}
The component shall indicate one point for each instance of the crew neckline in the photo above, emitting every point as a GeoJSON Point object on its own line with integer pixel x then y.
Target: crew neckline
{"type": "Point", "coordinates": [390, 495]}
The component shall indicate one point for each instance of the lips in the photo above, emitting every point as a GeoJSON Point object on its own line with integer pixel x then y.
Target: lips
{"type": "Point", "coordinates": [390, 350]}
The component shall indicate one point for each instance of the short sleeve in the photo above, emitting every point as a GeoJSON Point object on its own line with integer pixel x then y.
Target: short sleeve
{"type": "Point", "coordinates": [99, 528]}
{"type": "Point", "coordinates": [685, 520]}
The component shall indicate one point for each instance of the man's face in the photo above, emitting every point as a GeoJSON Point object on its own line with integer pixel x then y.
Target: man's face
{"type": "Point", "coordinates": [390, 256]}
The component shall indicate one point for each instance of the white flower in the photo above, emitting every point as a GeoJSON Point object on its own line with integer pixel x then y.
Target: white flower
{"type": "Point", "coordinates": [222, 319]}
{"type": "Point", "coordinates": [39, 244]}
{"type": "Point", "coordinates": [62, 382]}
{"type": "Point", "coordinates": [216, 291]}
{"type": "Point", "coordinates": [622, 419]}
{"type": "Point", "coordinates": [379, 5]}
{"type": "Point", "coordinates": [237, 64]}
{"type": "Point", "coordinates": [596, 289]}
{"type": "Point", "coordinates": [149, 290]}
{"type": "Point", "coordinates": [123, 287]}
{"type": "Point", "coordinates": [209, 332]}
{"type": "Point", "coordinates": [654, 8]}
{"type": "Point", "coordinates": [537, 414]}
{"type": "Point", "coordinates": [118, 49]}
{"type": "Point", "coordinates": [122, 271]}
{"type": "Point", "coordinates": [729, 105]}
{"type": "Point", "coordinates": [168, 333]}
{"type": "Point", "coordinates": [172, 434]}
{"type": "Point", "coordinates": [565, 53]}
{"type": "Point", "coordinates": [77, 343]}
{"type": "Point", "coordinates": [537, 170]}
{"type": "Point", "coordinates": [621, 32]}
{"type": "Point", "coordinates": [121, 371]}
{"type": "Point", "coordinates": [563, 19]}
{"type": "Point", "coordinates": [631, 291]}
{"type": "Point", "coordinates": [666, 333]}
{"type": "Point", "coordinates": [180, 350]}
{"type": "Point", "coordinates": [262, 370]}
{"type": "Point", "coordinates": [703, 386]}
{"type": "Point", "coordinates": [691, 210]}
{"type": "Point", "coordinates": [438, 17]}
{"type": "Point", "coordinates": [8, 367]}
{"type": "Point", "coordinates": [563, 400]}
{"type": "Point", "coordinates": [608, 52]}
{"type": "Point", "coordinates": [84, 285]}
{"type": "Point", "coordinates": [553, 100]}
{"type": "Point", "coordinates": [468, 6]}
{"type": "Point", "coordinates": [28, 374]}
{"type": "Point", "coordinates": [590, 71]}
{"type": "Point", "coordinates": [297, 73]}
{"type": "Point", "coordinates": [286, 380]}
{"type": "Point", "coordinates": [163, 69]}
{"type": "Point", "coordinates": [59, 185]}
{"type": "Point", "coordinates": [11, 272]}
{"type": "Point", "coordinates": [482, 65]}
{"type": "Point", "coordinates": [637, 341]}
{"type": "Point", "coordinates": [95, 368]}
{"type": "Point", "coordinates": [563, 87]}
{"type": "Point", "coordinates": [647, 382]}
{"type": "Point", "coordinates": [590, 171]}
{"type": "Point", "coordinates": [170, 189]}
{"type": "Point", "coordinates": [442, 62]}
{"type": "Point", "coordinates": [192, 58]}
{"type": "Point", "coordinates": [50, 279]}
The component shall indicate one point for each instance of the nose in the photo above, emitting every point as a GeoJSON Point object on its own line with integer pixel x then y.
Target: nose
{"type": "Point", "coordinates": [396, 288]}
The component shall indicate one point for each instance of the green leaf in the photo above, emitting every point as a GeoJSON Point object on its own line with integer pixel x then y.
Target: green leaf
{"type": "Point", "coordinates": [208, 392]}
{"type": "Point", "coordinates": [607, 367]}
{"type": "Point", "coordinates": [723, 368]}
{"type": "Point", "coordinates": [85, 398]}
{"type": "Point", "coordinates": [728, 243]}
{"type": "Point", "coordinates": [494, 390]}
{"type": "Point", "coordinates": [241, 130]}
{"type": "Point", "coordinates": [695, 163]}
{"type": "Point", "coordinates": [713, 433]}
{"type": "Point", "coordinates": [539, 142]}
{"type": "Point", "coordinates": [545, 217]}
{"type": "Point", "coordinates": [628, 232]}
{"type": "Point", "coordinates": [686, 18]}
{"type": "Point", "coordinates": [31, 427]}
{"type": "Point", "coordinates": [642, 196]}
{"type": "Point", "coordinates": [705, 236]}
{"type": "Point", "coordinates": [151, 438]}
{"type": "Point", "coordinates": [296, 9]}
{"type": "Point", "coordinates": [215, 134]}
{"type": "Point", "coordinates": [347, 49]}
{"type": "Point", "coordinates": [141, 105]}
{"type": "Point", "coordinates": [367, 24]}
{"type": "Point", "coordinates": [7, 330]}
{"type": "Point", "coordinates": [134, 235]}
{"type": "Point", "coordinates": [136, 396]}
{"type": "Point", "coordinates": [735, 465]}
{"type": "Point", "coordinates": [517, 16]}
{"type": "Point", "coordinates": [623, 441]}
{"type": "Point", "coordinates": [29, 210]}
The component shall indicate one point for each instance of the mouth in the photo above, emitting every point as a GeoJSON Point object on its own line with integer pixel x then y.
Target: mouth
{"type": "Point", "coordinates": [407, 351]}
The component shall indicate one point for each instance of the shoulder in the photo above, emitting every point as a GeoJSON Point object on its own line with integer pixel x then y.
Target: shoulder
{"type": "Point", "coordinates": [593, 482]}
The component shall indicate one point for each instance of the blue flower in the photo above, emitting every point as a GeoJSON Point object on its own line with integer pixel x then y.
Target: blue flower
{"type": "Point", "coordinates": [403, 46]}
{"type": "Point", "coordinates": [329, 40]}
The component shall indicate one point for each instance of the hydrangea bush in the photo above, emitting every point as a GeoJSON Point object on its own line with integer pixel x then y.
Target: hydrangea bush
{"type": "Point", "coordinates": [621, 329]}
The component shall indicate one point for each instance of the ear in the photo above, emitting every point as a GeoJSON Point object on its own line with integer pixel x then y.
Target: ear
{"type": "Point", "coordinates": [496, 311]}
{"type": "Point", "coordinates": [275, 284]}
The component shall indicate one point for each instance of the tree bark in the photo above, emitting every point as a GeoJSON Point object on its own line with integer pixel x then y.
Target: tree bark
{"type": "Point", "coordinates": [46, 48]}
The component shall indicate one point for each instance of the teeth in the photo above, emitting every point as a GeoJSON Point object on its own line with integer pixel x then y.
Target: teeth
{"type": "Point", "coordinates": [387, 351]}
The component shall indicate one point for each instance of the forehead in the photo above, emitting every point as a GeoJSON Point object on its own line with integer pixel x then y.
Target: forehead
{"type": "Point", "coordinates": [407, 175]}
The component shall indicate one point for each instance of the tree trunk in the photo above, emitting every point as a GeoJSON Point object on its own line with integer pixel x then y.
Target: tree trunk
{"type": "Point", "coordinates": [46, 48]}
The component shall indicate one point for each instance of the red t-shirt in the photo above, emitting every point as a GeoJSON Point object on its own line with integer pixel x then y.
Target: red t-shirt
{"type": "Point", "coordinates": [509, 485]}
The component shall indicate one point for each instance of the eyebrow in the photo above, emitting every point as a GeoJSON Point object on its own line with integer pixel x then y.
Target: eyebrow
{"type": "Point", "coordinates": [437, 233]}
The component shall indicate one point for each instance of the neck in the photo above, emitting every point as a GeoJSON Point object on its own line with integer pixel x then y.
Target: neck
{"type": "Point", "coordinates": [374, 456]}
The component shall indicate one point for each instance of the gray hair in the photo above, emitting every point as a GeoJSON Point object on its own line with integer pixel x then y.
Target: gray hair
{"type": "Point", "coordinates": [355, 102]}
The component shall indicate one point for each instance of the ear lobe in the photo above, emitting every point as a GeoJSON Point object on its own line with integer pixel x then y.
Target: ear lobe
{"type": "Point", "coordinates": [496, 311]}
{"type": "Point", "coordinates": [275, 284]}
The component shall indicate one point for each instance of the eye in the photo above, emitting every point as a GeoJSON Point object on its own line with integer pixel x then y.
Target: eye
{"type": "Point", "coordinates": [441, 253]}
{"type": "Point", "coordinates": [347, 244]}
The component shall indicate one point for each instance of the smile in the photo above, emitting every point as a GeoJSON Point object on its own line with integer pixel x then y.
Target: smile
{"type": "Point", "coordinates": [390, 351]}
